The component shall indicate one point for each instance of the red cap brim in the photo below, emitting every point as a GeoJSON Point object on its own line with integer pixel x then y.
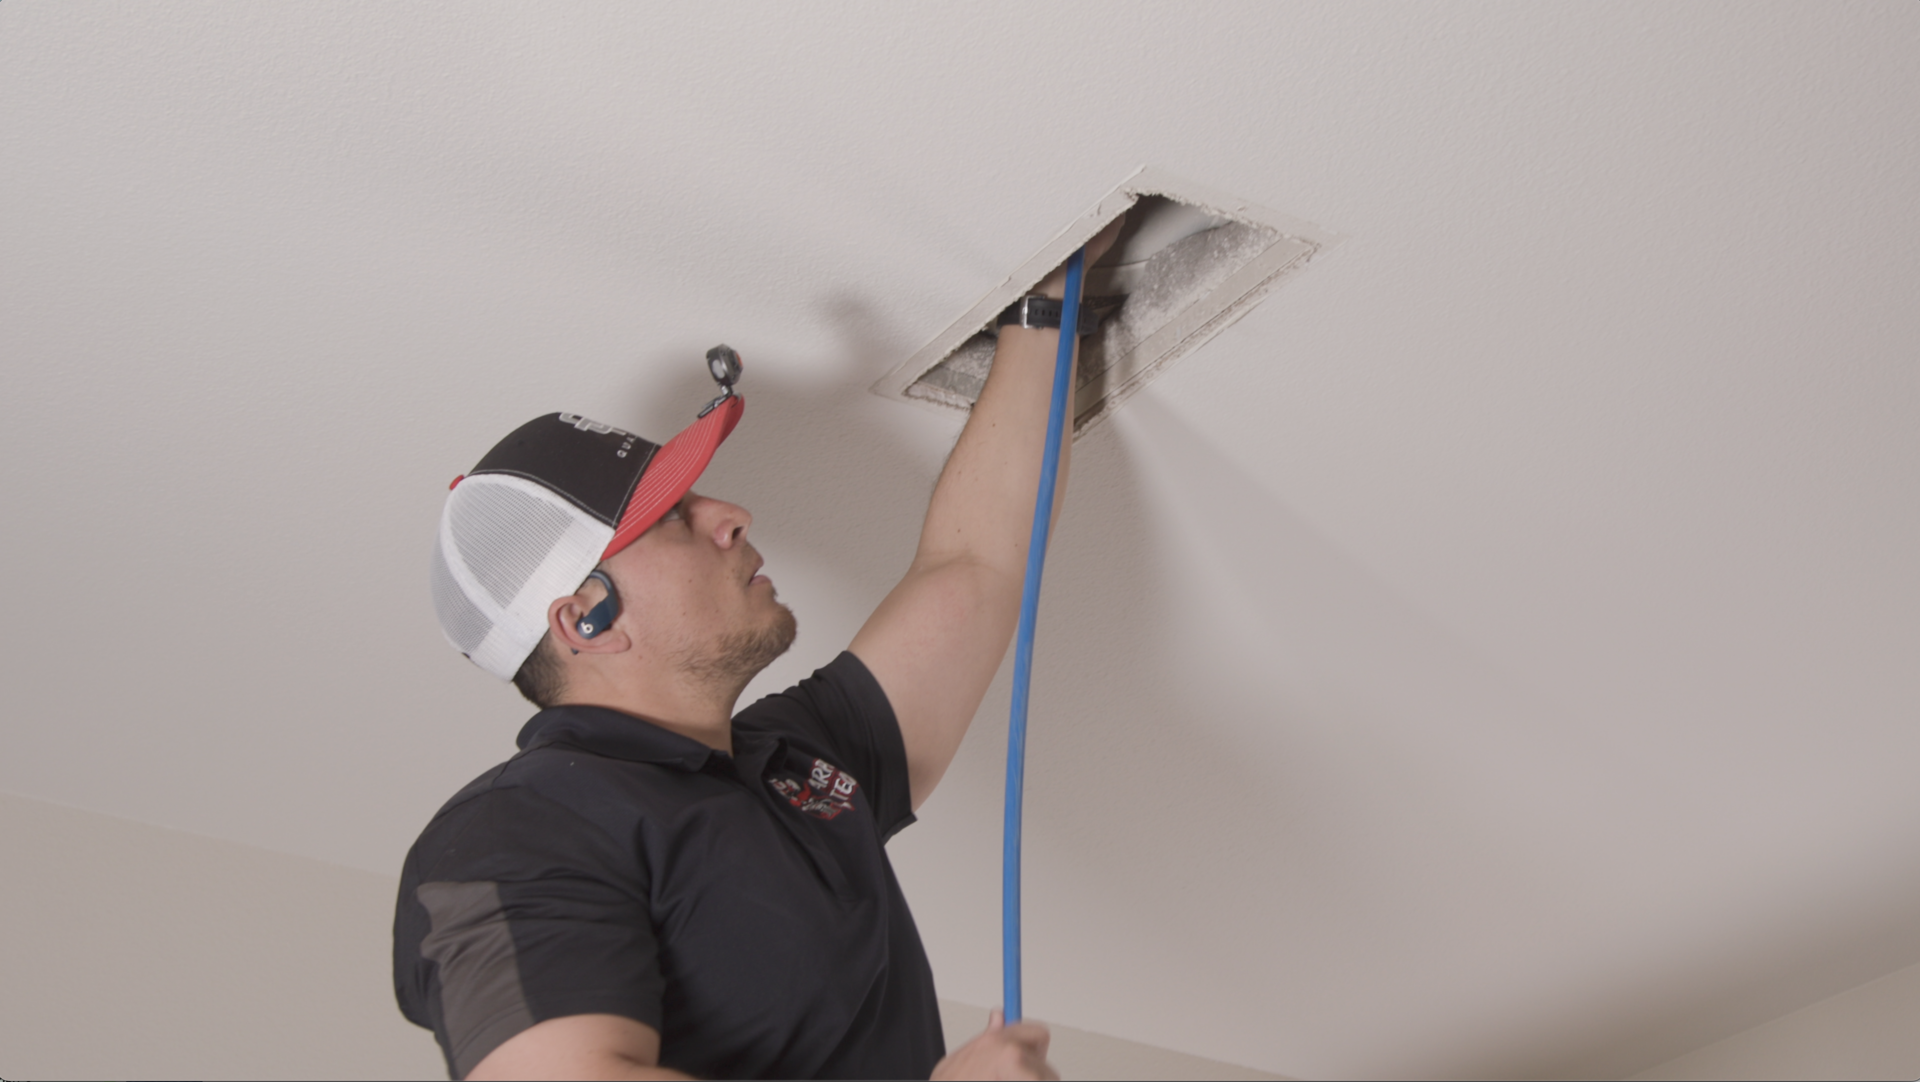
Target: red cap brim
{"type": "Point", "coordinates": [674, 469]}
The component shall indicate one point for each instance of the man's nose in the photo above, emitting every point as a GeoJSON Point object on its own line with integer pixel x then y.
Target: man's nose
{"type": "Point", "coordinates": [725, 522]}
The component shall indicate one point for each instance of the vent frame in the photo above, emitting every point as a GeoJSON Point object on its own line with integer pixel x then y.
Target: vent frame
{"type": "Point", "coordinates": [1296, 244]}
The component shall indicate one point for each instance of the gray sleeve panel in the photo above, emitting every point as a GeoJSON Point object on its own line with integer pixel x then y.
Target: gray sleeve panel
{"type": "Point", "coordinates": [481, 998]}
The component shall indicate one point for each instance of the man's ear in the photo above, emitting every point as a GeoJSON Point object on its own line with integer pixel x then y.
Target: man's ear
{"type": "Point", "coordinates": [563, 623]}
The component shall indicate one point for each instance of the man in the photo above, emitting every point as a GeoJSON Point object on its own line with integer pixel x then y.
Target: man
{"type": "Point", "coordinates": [655, 884]}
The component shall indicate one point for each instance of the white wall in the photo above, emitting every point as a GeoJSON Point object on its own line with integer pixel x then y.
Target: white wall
{"type": "Point", "coordinates": [1872, 1031]}
{"type": "Point", "coordinates": [132, 951]}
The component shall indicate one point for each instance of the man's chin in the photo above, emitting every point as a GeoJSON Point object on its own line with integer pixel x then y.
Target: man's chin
{"type": "Point", "coordinates": [782, 630]}
{"type": "Point", "coordinates": [739, 657]}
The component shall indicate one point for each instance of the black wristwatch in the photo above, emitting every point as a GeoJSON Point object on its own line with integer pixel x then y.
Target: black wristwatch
{"type": "Point", "coordinates": [1034, 310]}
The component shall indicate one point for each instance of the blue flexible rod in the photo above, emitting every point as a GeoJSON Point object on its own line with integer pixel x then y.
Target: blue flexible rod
{"type": "Point", "coordinates": [1023, 642]}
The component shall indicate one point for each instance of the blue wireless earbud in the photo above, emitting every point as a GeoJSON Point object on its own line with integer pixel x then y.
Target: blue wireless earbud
{"type": "Point", "coordinates": [603, 614]}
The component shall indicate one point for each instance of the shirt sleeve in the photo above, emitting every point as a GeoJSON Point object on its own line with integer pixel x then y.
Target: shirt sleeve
{"type": "Point", "coordinates": [519, 920]}
{"type": "Point", "coordinates": [842, 710]}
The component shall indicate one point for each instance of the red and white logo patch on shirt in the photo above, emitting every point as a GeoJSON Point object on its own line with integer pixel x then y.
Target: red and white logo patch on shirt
{"type": "Point", "coordinates": [827, 792]}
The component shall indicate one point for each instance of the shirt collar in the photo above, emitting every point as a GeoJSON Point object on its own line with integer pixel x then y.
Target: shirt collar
{"type": "Point", "coordinates": [620, 735]}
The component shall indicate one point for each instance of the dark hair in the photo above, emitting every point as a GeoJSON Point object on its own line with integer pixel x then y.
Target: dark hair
{"type": "Point", "coordinates": [541, 677]}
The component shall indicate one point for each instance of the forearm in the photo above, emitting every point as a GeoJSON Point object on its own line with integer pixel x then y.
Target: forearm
{"type": "Point", "coordinates": [982, 508]}
{"type": "Point", "coordinates": [576, 1065]}
{"type": "Point", "coordinates": [599, 1046]}
{"type": "Point", "coordinates": [937, 639]}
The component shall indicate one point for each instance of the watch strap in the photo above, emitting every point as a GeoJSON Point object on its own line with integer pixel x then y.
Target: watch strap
{"type": "Point", "coordinates": [1036, 311]}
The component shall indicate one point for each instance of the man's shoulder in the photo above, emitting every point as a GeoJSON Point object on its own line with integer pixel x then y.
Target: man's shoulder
{"type": "Point", "coordinates": [559, 779]}
{"type": "Point", "coordinates": [513, 781]}
{"type": "Point", "coordinates": [515, 824]}
{"type": "Point", "coordinates": [841, 688]}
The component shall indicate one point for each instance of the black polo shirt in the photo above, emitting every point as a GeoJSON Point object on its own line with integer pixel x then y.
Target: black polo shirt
{"type": "Point", "coordinates": [741, 905]}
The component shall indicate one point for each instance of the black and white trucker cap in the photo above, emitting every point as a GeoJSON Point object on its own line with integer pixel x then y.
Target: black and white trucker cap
{"type": "Point", "coordinates": [547, 504]}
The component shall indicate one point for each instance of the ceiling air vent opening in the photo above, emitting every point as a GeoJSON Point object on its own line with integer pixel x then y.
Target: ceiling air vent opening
{"type": "Point", "coordinates": [1189, 262]}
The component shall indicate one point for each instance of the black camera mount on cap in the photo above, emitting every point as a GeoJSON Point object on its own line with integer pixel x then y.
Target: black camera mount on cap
{"type": "Point", "coordinates": [723, 364]}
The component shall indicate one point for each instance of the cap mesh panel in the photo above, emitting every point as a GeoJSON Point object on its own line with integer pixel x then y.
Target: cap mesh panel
{"type": "Point", "coordinates": [503, 535]}
{"type": "Point", "coordinates": [464, 624]}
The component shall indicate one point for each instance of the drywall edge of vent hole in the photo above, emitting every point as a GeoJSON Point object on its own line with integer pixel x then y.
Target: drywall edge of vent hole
{"type": "Point", "coordinates": [1171, 257]}
{"type": "Point", "coordinates": [1147, 258]}
{"type": "Point", "coordinates": [1169, 262]}
{"type": "Point", "coordinates": [1188, 210]}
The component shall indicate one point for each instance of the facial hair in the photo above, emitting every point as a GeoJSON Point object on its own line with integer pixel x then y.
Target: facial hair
{"type": "Point", "coordinates": [740, 655]}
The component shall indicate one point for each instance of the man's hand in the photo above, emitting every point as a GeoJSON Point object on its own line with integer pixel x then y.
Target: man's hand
{"type": "Point", "coordinates": [1018, 1051]}
{"type": "Point", "coordinates": [1055, 285]}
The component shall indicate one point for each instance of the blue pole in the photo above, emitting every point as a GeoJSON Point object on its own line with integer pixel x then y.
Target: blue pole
{"type": "Point", "coordinates": [1023, 641]}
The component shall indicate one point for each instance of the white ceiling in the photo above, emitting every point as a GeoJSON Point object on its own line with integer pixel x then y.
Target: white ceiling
{"type": "Point", "coordinates": [1494, 655]}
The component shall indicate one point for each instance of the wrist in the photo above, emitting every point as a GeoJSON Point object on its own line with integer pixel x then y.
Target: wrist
{"type": "Point", "coordinates": [1037, 311]}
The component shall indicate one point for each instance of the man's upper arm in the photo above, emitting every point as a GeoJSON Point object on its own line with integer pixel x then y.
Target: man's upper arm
{"type": "Point", "coordinates": [933, 646]}
{"type": "Point", "coordinates": [515, 911]}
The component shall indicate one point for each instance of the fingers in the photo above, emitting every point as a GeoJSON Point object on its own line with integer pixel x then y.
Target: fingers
{"type": "Point", "coordinates": [1032, 1039]}
{"type": "Point", "coordinates": [1031, 1036]}
{"type": "Point", "coordinates": [1104, 239]}
{"type": "Point", "coordinates": [1016, 1051]}
{"type": "Point", "coordinates": [1055, 284]}
{"type": "Point", "coordinates": [1045, 1040]}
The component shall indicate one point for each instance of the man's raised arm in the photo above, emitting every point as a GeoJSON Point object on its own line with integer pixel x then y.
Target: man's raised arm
{"type": "Point", "coordinates": [937, 639]}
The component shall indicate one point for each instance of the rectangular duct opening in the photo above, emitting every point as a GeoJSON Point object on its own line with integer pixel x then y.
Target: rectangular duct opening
{"type": "Point", "coordinates": [1188, 263]}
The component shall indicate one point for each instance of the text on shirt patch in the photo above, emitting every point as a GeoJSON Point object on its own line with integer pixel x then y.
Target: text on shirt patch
{"type": "Point", "coordinates": [827, 792]}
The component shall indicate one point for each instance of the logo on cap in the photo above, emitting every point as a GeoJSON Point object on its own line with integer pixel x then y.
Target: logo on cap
{"type": "Point", "coordinates": [585, 425]}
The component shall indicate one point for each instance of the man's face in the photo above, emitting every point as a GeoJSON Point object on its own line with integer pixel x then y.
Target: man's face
{"type": "Point", "coordinates": [691, 592]}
